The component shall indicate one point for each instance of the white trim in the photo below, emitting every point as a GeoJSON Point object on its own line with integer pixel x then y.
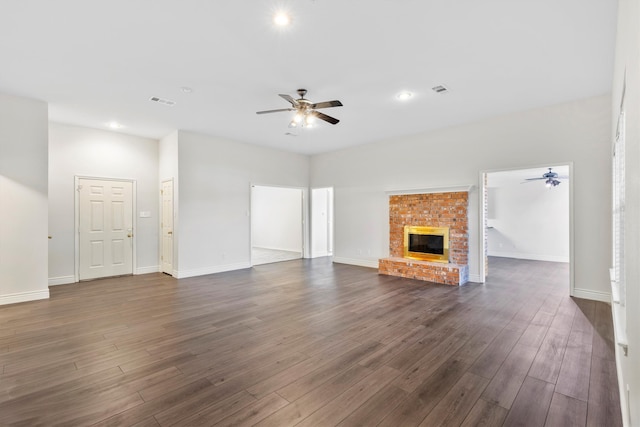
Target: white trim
{"type": "Point", "coordinates": [534, 257]}
{"type": "Point", "coordinates": [592, 295]}
{"type": "Point", "coordinates": [62, 280]}
{"type": "Point", "coordinates": [211, 270]}
{"type": "Point", "coordinates": [147, 270]}
{"type": "Point", "coordinates": [482, 229]}
{"type": "Point", "coordinates": [319, 254]}
{"type": "Point", "coordinates": [450, 189]}
{"type": "Point", "coordinates": [371, 263]}
{"type": "Point", "coordinates": [476, 278]}
{"type": "Point", "coordinates": [24, 297]}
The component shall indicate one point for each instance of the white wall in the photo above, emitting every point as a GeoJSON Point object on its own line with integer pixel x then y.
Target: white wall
{"type": "Point", "coordinates": [214, 200]}
{"type": "Point", "coordinates": [276, 218]}
{"type": "Point", "coordinates": [578, 131]}
{"type": "Point", "coordinates": [23, 199]}
{"type": "Point", "coordinates": [77, 151]}
{"type": "Point", "coordinates": [528, 221]}
{"type": "Point", "coordinates": [628, 61]}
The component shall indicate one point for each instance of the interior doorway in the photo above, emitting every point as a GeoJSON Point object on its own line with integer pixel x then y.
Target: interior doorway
{"type": "Point", "coordinates": [277, 224]}
{"type": "Point", "coordinates": [166, 227]}
{"type": "Point", "coordinates": [527, 215]}
{"type": "Point", "coordinates": [105, 238]}
{"type": "Point", "coordinates": [321, 222]}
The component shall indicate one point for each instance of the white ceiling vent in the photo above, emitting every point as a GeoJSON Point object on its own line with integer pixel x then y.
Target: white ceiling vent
{"type": "Point", "coordinates": [163, 101]}
{"type": "Point", "coordinates": [440, 89]}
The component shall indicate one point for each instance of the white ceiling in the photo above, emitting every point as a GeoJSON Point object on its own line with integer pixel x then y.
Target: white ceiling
{"type": "Point", "coordinates": [95, 62]}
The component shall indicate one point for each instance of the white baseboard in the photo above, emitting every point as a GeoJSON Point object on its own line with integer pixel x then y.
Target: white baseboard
{"type": "Point", "coordinates": [592, 295]}
{"type": "Point", "coordinates": [371, 263]}
{"type": "Point", "coordinates": [24, 297]}
{"type": "Point", "coordinates": [147, 270]}
{"type": "Point", "coordinates": [476, 278]}
{"type": "Point", "coordinates": [533, 257]}
{"type": "Point", "coordinates": [62, 280]}
{"type": "Point", "coordinates": [211, 270]}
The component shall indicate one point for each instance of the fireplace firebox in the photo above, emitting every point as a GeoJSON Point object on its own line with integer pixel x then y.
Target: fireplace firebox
{"type": "Point", "coordinates": [426, 243]}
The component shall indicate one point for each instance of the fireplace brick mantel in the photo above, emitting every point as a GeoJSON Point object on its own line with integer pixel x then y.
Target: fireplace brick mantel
{"type": "Point", "coordinates": [447, 209]}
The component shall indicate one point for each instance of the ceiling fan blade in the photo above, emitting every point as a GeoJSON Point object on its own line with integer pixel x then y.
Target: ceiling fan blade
{"type": "Point", "coordinates": [275, 111]}
{"type": "Point", "coordinates": [324, 117]}
{"type": "Point", "coordinates": [535, 179]}
{"type": "Point", "coordinates": [327, 104]}
{"type": "Point", "coordinates": [290, 99]}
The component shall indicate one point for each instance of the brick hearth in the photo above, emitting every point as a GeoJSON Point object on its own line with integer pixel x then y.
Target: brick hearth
{"type": "Point", "coordinates": [433, 210]}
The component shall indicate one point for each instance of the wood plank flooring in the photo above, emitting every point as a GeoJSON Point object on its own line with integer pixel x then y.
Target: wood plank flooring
{"type": "Point", "coordinates": [311, 343]}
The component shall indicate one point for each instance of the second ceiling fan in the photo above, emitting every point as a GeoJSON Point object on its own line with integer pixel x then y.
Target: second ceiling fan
{"type": "Point", "coordinates": [306, 111]}
{"type": "Point", "coordinates": [551, 178]}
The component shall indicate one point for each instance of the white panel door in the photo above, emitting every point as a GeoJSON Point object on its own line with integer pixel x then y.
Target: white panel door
{"type": "Point", "coordinates": [167, 227]}
{"type": "Point", "coordinates": [105, 228]}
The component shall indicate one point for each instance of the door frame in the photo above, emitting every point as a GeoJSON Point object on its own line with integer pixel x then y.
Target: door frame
{"type": "Point", "coordinates": [305, 217]}
{"type": "Point", "coordinates": [482, 220]}
{"type": "Point", "coordinates": [76, 227]}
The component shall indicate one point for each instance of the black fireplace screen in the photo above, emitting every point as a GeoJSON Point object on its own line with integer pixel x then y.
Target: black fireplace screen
{"type": "Point", "coordinates": [426, 243]}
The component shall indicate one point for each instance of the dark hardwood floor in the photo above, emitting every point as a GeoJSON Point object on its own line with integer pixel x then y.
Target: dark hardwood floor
{"type": "Point", "coordinates": [311, 343]}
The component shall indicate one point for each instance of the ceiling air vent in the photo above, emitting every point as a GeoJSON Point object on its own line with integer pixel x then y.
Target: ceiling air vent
{"type": "Point", "coordinates": [440, 89]}
{"type": "Point", "coordinates": [163, 101]}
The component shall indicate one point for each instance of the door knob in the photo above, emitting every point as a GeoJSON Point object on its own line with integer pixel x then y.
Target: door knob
{"type": "Point", "coordinates": [129, 235]}
{"type": "Point", "coordinates": [169, 232]}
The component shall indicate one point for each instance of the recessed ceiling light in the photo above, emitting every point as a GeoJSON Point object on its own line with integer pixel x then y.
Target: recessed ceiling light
{"type": "Point", "coordinates": [282, 19]}
{"type": "Point", "coordinates": [404, 95]}
{"type": "Point", "coordinates": [186, 89]}
{"type": "Point", "coordinates": [114, 125]}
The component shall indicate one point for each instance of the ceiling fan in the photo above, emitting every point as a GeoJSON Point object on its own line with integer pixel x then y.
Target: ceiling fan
{"type": "Point", "coordinates": [552, 179]}
{"type": "Point", "coordinates": [306, 110]}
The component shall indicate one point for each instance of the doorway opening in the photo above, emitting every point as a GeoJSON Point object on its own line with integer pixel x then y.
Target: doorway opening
{"type": "Point", "coordinates": [105, 238]}
{"type": "Point", "coordinates": [277, 225]}
{"type": "Point", "coordinates": [527, 214]}
{"type": "Point", "coordinates": [321, 222]}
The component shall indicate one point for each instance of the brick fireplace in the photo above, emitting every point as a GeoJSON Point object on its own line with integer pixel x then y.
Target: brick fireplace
{"type": "Point", "coordinates": [447, 209]}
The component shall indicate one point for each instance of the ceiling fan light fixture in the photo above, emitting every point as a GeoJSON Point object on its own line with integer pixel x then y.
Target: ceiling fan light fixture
{"type": "Point", "coordinates": [309, 119]}
{"type": "Point", "coordinates": [551, 182]}
{"type": "Point", "coordinates": [306, 112]}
